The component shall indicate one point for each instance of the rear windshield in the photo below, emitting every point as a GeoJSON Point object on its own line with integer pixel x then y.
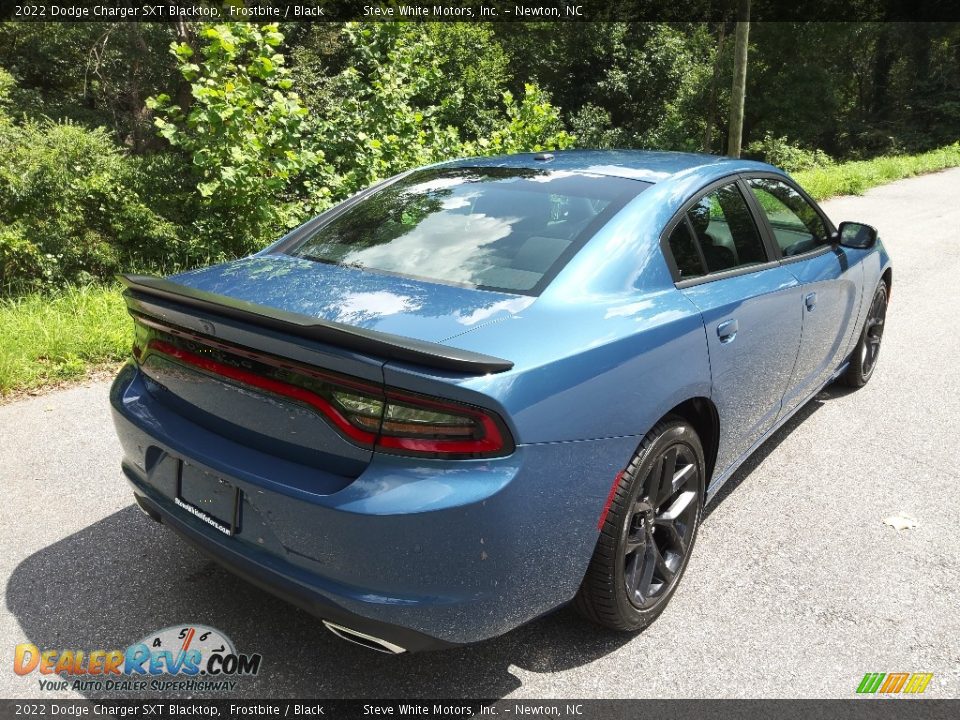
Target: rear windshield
{"type": "Point", "coordinates": [507, 229]}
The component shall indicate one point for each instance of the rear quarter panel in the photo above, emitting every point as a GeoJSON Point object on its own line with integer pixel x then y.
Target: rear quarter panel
{"type": "Point", "coordinates": [588, 372]}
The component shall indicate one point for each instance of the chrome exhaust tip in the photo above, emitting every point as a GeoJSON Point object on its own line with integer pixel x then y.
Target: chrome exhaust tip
{"type": "Point", "coordinates": [368, 641]}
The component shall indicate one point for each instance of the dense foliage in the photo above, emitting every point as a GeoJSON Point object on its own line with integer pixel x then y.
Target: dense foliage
{"type": "Point", "coordinates": [245, 132]}
{"type": "Point", "coordinates": [153, 146]}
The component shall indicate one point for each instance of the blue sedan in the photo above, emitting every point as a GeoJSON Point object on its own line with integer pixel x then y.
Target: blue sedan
{"type": "Point", "coordinates": [483, 389]}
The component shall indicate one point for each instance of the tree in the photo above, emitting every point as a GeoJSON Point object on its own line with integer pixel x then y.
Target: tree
{"type": "Point", "coordinates": [392, 114]}
{"type": "Point", "coordinates": [714, 82]}
{"type": "Point", "coordinates": [620, 84]}
{"type": "Point", "coordinates": [243, 133]}
{"type": "Point", "coordinates": [92, 73]}
{"type": "Point", "coordinates": [474, 74]}
{"type": "Point", "coordinates": [737, 97]}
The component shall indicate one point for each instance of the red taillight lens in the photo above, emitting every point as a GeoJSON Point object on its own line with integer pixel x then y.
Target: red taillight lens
{"type": "Point", "coordinates": [417, 425]}
{"type": "Point", "coordinates": [390, 421]}
{"type": "Point", "coordinates": [423, 425]}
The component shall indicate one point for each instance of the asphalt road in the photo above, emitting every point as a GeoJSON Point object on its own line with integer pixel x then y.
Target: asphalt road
{"type": "Point", "coordinates": [796, 588]}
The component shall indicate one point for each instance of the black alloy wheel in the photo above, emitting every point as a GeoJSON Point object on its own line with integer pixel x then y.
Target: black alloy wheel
{"type": "Point", "coordinates": [661, 526]}
{"type": "Point", "coordinates": [863, 361]}
{"type": "Point", "coordinates": [873, 332]}
{"type": "Point", "coordinates": [649, 531]}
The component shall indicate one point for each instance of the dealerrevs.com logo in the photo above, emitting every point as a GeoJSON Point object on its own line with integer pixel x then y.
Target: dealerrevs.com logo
{"type": "Point", "coordinates": [179, 658]}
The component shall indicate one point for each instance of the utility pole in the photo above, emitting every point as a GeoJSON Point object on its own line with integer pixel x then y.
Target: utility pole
{"type": "Point", "coordinates": [739, 78]}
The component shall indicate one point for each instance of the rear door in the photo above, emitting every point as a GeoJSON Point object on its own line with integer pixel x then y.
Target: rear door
{"type": "Point", "coordinates": [831, 284]}
{"type": "Point", "coordinates": [749, 304]}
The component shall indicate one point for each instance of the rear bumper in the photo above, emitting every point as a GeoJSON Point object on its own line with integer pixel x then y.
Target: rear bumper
{"type": "Point", "coordinates": [421, 553]}
{"type": "Point", "coordinates": [285, 587]}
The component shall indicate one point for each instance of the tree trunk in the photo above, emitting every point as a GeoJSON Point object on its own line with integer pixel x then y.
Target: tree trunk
{"type": "Point", "coordinates": [879, 107]}
{"type": "Point", "coordinates": [739, 79]}
{"type": "Point", "coordinates": [184, 94]}
{"type": "Point", "coordinates": [715, 80]}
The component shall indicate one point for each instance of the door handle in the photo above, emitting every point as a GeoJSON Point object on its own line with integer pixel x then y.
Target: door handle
{"type": "Point", "coordinates": [811, 300]}
{"type": "Point", "coordinates": [727, 330]}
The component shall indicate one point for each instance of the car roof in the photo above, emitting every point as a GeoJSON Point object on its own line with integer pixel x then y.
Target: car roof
{"type": "Point", "coordinates": [647, 165]}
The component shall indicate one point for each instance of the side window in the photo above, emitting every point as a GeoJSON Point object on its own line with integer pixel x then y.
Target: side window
{"type": "Point", "coordinates": [685, 252]}
{"type": "Point", "coordinates": [725, 230]}
{"type": "Point", "coordinates": [797, 227]}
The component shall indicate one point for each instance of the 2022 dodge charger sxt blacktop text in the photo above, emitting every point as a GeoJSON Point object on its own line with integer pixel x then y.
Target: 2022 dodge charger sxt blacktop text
{"type": "Point", "coordinates": [483, 389]}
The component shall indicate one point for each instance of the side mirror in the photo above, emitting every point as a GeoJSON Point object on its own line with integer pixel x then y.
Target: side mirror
{"type": "Point", "coordinates": [859, 236]}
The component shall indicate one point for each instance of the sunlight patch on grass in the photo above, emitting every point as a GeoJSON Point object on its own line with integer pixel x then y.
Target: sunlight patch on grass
{"type": "Point", "coordinates": [47, 338]}
{"type": "Point", "coordinates": [858, 176]}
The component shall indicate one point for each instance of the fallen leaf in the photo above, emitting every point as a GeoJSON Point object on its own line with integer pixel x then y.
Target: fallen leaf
{"type": "Point", "coordinates": [901, 521]}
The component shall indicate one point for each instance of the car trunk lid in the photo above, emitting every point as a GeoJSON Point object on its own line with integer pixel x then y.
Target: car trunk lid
{"type": "Point", "coordinates": [298, 386]}
{"type": "Point", "coordinates": [363, 299]}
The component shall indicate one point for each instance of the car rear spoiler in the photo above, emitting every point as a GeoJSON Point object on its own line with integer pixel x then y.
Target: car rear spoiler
{"type": "Point", "coordinates": [144, 288]}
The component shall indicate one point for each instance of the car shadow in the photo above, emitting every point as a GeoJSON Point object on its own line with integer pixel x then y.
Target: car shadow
{"type": "Point", "coordinates": [117, 580]}
{"type": "Point", "coordinates": [772, 443]}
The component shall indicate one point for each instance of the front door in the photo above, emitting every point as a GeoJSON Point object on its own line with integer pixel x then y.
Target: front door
{"type": "Point", "coordinates": [830, 284]}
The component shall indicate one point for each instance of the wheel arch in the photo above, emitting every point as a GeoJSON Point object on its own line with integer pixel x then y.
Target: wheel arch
{"type": "Point", "coordinates": [702, 414]}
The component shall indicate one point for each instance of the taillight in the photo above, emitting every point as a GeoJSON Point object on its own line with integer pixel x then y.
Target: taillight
{"type": "Point", "coordinates": [390, 421]}
{"type": "Point", "coordinates": [420, 425]}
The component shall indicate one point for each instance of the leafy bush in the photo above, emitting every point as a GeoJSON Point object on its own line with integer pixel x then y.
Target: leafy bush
{"type": "Point", "coordinates": [20, 259]}
{"type": "Point", "coordinates": [66, 202]}
{"type": "Point", "coordinates": [7, 84]}
{"type": "Point", "coordinates": [792, 158]}
{"type": "Point", "coordinates": [260, 164]}
{"type": "Point", "coordinates": [474, 73]}
{"type": "Point", "coordinates": [593, 128]}
{"type": "Point", "coordinates": [532, 125]}
{"type": "Point", "coordinates": [243, 133]}
{"type": "Point", "coordinates": [376, 129]}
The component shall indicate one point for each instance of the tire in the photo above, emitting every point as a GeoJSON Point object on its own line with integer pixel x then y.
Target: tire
{"type": "Point", "coordinates": [863, 361]}
{"type": "Point", "coordinates": [624, 554]}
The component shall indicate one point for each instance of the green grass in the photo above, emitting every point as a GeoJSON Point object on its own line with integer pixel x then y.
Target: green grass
{"type": "Point", "coordinates": [856, 177]}
{"type": "Point", "coordinates": [48, 338]}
